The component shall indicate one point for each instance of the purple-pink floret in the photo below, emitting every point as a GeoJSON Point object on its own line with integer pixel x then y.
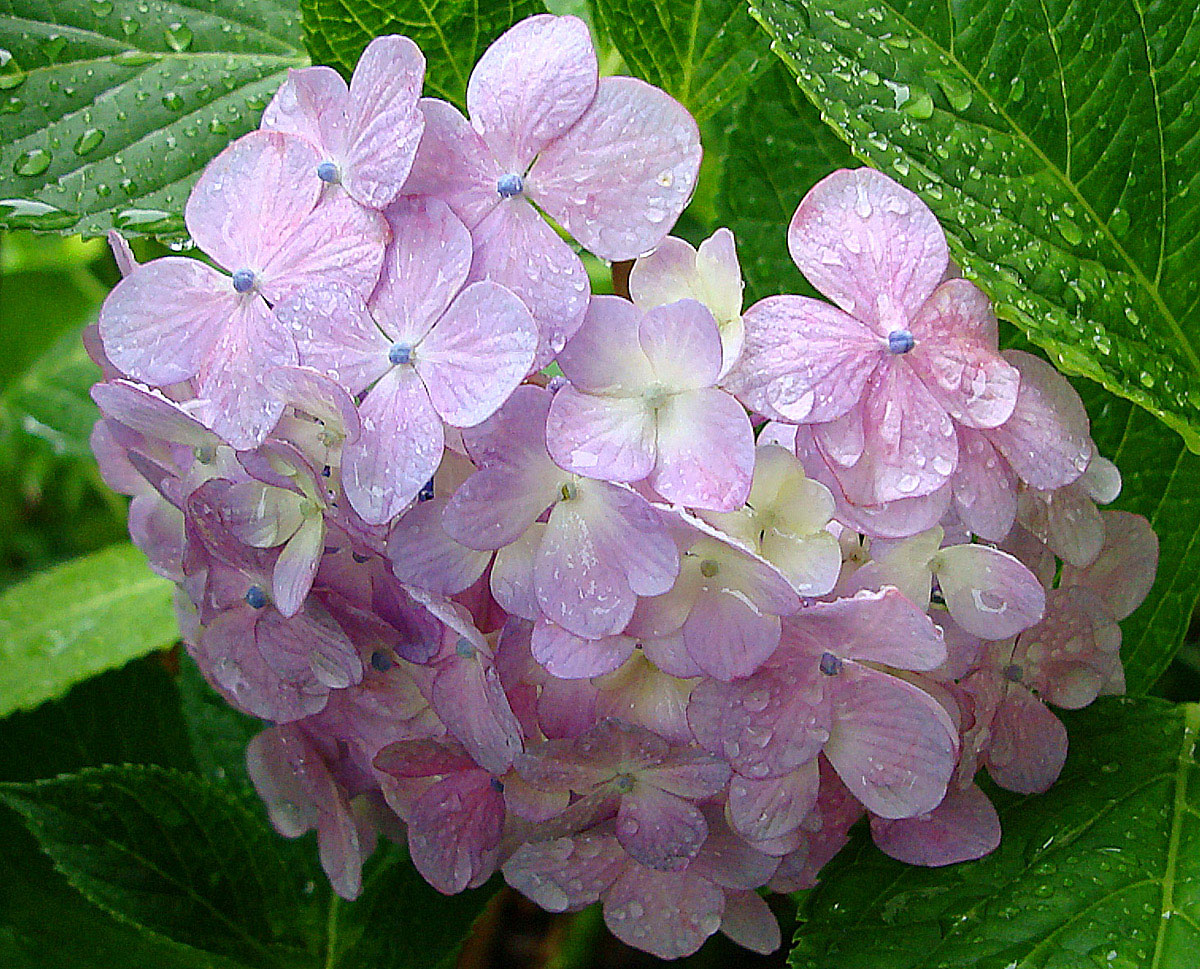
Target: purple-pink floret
{"type": "Point", "coordinates": [582, 626]}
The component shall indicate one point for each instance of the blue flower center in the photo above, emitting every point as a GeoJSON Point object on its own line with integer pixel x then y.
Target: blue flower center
{"type": "Point", "coordinates": [381, 662]}
{"type": "Point", "coordinates": [464, 648]}
{"type": "Point", "coordinates": [426, 492]}
{"type": "Point", "coordinates": [327, 171]}
{"type": "Point", "coordinates": [1013, 673]}
{"type": "Point", "coordinates": [510, 185]}
{"type": "Point", "coordinates": [900, 341]}
{"type": "Point", "coordinates": [830, 664]}
{"type": "Point", "coordinates": [243, 280]}
{"type": "Point", "coordinates": [399, 354]}
{"type": "Point", "coordinates": [256, 598]}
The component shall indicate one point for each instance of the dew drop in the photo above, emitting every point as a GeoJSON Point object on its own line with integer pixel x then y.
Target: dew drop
{"type": "Point", "coordinates": [88, 141]}
{"type": "Point", "coordinates": [11, 74]}
{"type": "Point", "coordinates": [32, 162]}
{"type": "Point", "coordinates": [178, 37]}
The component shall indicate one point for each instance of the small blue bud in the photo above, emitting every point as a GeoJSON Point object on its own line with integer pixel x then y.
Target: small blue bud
{"type": "Point", "coordinates": [327, 171]}
{"type": "Point", "coordinates": [256, 598]}
{"type": "Point", "coordinates": [400, 353]}
{"type": "Point", "coordinates": [359, 557]}
{"type": "Point", "coordinates": [830, 664]}
{"type": "Point", "coordinates": [900, 341]}
{"type": "Point", "coordinates": [497, 785]}
{"type": "Point", "coordinates": [464, 648]}
{"type": "Point", "coordinates": [426, 492]}
{"type": "Point", "coordinates": [243, 280]}
{"type": "Point", "coordinates": [381, 662]}
{"type": "Point", "coordinates": [510, 185]}
{"type": "Point", "coordinates": [1013, 673]}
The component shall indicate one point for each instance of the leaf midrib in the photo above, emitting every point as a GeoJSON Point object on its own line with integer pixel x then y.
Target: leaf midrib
{"type": "Point", "coordinates": [1151, 288]}
{"type": "Point", "coordinates": [1191, 730]}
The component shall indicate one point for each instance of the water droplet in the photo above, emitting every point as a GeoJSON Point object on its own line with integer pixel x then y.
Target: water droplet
{"type": "Point", "coordinates": [1070, 231]}
{"type": "Point", "coordinates": [102, 8]}
{"type": "Point", "coordinates": [130, 26]}
{"type": "Point", "coordinates": [178, 37]}
{"type": "Point", "coordinates": [32, 162]}
{"type": "Point", "coordinates": [89, 141]}
{"type": "Point", "coordinates": [11, 106]}
{"type": "Point", "coordinates": [27, 214]}
{"type": "Point", "coordinates": [173, 100]}
{"type": "Point", "coordinates": [919, 105]}
{"type": "Point", "coordinates": [135, 58]}
{"type": "Point", "coordinates": [957, 92]}
{"type": "Point", "coordinates": [54, 45]}
{"type": "Point", "coordinates": [147, 220]}
{"type": "Point", "coordinates": [11, 73]}
{"type": "Point", "coordinates": [1018, 88]}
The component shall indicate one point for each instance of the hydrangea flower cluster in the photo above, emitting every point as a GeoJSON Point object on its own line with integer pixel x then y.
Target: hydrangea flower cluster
{"type": "Point", "coordinates": [654, 632]}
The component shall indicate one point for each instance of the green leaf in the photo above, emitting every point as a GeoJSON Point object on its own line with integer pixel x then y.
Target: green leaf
{"type": "Point", "coordinates": [703, 52]}
{"type": "Point", "coordinates": [400, 922]}
{"type": "Point", "coordinates": [451, 33]}
{"type": "Point", "coordinates": [778, 150]}
{"type": "Point", "coordinates": [1058, 145]}
{"type": "Point", "coordinates": [76, 620]}
{"type": "Point", "coordinates": [1159, 477]}
{"type": "Point", "coordinates": [127, 715]}
{"type": "Point", "coordinates": [109, 109]}
{"type": "Point", "coordinates": [50, 400]}
{"type": "Point", "coordinates": [1100, 871]}
{"type": "Point", "coordinates": [171, 853]}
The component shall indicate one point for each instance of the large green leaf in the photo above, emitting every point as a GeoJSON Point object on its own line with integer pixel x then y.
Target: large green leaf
{"type": "Point", "coordinates": [778, 149]}
{"type": "Point", "coordinates": [704, 52]}
{"type": "Point", "coordinates": [451, 33]}
{"type": "Point", "coordinates": [173, 854]}
{"type": "Point", "coordinates": [218, 734]}
{"type": "Point", "coordinates": [73, 621]}
{"type": "Point", "coordinates": [128, 715]}
{"type": "Point", "coordinates": [109, 109]}
{"type": "Point", "coordinates": [1057, 143]}
{"type": "Point", "coordinates": [1101, 871]}
{"type": "Point", "coordinates": [1160, 477]}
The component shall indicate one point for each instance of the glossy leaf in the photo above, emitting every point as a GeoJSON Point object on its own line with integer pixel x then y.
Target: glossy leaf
{"type": "Point", "coordinates": [1058, 145]}
{"type": "Point", "coordinates": [778, 150]}
{"type": "Point", "coordinates": [73, 621]}
{"type": "Point", "coordinates": [704, 52]}
{"type": "Point", "coordinates": [1100, 871]}
{"type": "Point", "coordinates": [166, 851]}
{"type": "Point", "coordinates": [109, 110]}
{"type": "Point", "coordinates": [451, 33]}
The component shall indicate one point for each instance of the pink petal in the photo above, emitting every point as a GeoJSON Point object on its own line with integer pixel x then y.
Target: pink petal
{"type": "Point", "coordinates": [968, 378]}
{"type": "Point", "coordinates": [566, 873]}
{"type": "Point", "coordinates": [335, 334]}
{"type": "Point", "coordinates": [665, 275]}
{"type": "Point", "coordinates": [705, 447]}
{"type": "Point", "coordinates": [766, 726]}
{"type": "Point", "coordinates": [1066, 520]}
{"type": "Point", "coordinates": [312, 393]}
{"type": "Point", "coordinates": [470, 700]}
{"type": "Point", "coordinates": [310, 104]}
{"type": "Point", "coordinates": [749, 922]}
{"type": "Point", "coordinates": [517, 249]}
{"type": "Point", "coordinates": [151, 414]}
{"type": "Point", "coordinates": [1028, 745]}
{"type": "Point", "coordinates": [618, 179]}
{"type": "Point", "coordinates": [161, 321]}
{"type": "Point", "coordinates": [576, 587]}
{"type": "Point", "coordinates": [683, 345]}
{"type": "Point", "coordinates": [340, 241]}
{"type": "Point", "coordinates": [985, 488]}
{"type": "Point", "coordinates": [963, 827]}
{"type": "Point", "coordinates": [530, 86]}
{"type": "Point", "coordinates": [870, 245]}
{"type": "Point", "coordinates": [669, 653]}
{"type": "Point", "coordinates": [728, 636]}
{"type": "Point", "coordinates": [891, 743]}
{"type": "Point", "coordinates": [511, 577]}
{"type": "Point", "coordinates": [252, 198]}
{"type": "Point", "coordinates": [605, 356]}
{"type": "Point", "coordinates": [668, 914]}
{"type": "Point", "coordinates": [454, 831]}
{"type": "Point", "coordinates": [1046, 440]}
{"type": "Point", "coordinates": [156, 527]}
{"type": "Point", "coordinates": [909, 444]}
{"type": "Point", "coordinates": [802, 360]}
{"type": "Point", "coordinates": [630, 533]}
{"type": "Point", "coordinates": [477, 354]}
{"type": "Point", "coordinates": [602, 437]}
{"type": "Point", "coordinates": [454, 163]}
{"type": "Point", "coordinates": [988, 592]}
{"type": "Point", "coordinates": [425, 266]}
{"type": "Point", "coordinates": [122, 253]}
{"type": "Point", "coordinates": [1123, 572]}
{"type": "Point", "coordinates": [423, 554]}
{"type": "Point", "coordinates": [230, 379]}
{"type": "Point", "coordinates": [658, 829]}
{"type": "Point", "coordinates": [398, 450]}
{"type": "Point", "coordinates": [770, 808]}
{"type": "Point", "coordinates": [297, 566]}
{"type": "Point", "coordinates": [572, 657]}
